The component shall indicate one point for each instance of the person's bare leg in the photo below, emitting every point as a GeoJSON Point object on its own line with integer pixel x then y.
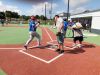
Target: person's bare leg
{"type": "Point", "coordinates": [59, 48]}
{"type": "Point", "coordinates": [62, 49]}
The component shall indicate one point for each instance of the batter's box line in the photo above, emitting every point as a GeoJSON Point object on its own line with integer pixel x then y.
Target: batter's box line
{"type": "Point", "coordinates": [51, 43]}
{"type": "Point", "coordinates": [40, 59]}
{"type": "Point", "coordinates": [10, 48]}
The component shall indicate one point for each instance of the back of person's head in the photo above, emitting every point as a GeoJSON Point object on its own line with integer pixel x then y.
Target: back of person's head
{"type": "Point", "coordinates": [56, 15]}
{"type": "Point", "coordinates": [65, 19]}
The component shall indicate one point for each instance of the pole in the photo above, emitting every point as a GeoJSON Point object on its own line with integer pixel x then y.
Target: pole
{"type": "Point", "coordinates": [68, 10]}
{"type": "Point", "coordinates": [45, 13]}
{"type": "Point", "coordinates": [51, 10]}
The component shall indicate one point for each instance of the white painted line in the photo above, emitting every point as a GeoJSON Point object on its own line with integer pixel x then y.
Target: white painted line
{"type": "Point", "coordinates": [33, 56]}
{"type": "Point", "coordinates": [55, 58]}
{"type": "Point", "coordinates": [33, 47]}
{"type": "Point", "coordinates": [51, 49]}
{"type": "Point", "coordinates": [68, 47]}
{"type": "Point", "coordinates": [10, 48]}
{"type": "Point", "coordinates": [56, 40]}
{"type": "Point", "coordinates": [48, 34]}
{"type": "Point", "coordinates": [48, 62]}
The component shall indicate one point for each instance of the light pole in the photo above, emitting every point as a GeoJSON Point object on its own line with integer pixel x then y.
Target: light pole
{"type": "Point", "coordinates": [51, 9]}
{"type": "Point", "coordinates": [68, 10]}
{"type": "Point", "coordinates": [45, 11]}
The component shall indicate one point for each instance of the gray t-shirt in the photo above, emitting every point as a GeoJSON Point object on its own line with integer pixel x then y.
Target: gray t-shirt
{"type": "Point", "coordinates": [78, 33]}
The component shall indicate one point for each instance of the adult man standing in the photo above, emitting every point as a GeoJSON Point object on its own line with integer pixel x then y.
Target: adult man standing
{"type": "Point", "coordinates": [33, 24]}
{"type": "Point", "coordinates": [60, 35]}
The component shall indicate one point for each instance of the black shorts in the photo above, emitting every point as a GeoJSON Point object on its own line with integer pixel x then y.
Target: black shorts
{"type": "Point", "coordinates": [78, 38]}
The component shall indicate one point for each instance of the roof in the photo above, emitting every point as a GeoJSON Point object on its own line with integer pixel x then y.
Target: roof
{"type": "Point", "coordinates": [87, 12]}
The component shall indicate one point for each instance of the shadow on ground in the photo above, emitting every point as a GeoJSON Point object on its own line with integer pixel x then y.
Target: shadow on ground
{"type": "Point", "coordinates": [89, 46]}
{"type": "Point", "coordinates": [75, 51]}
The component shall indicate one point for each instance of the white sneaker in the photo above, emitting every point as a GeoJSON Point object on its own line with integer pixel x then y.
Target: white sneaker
{"type": "Point", "coordinates": [39, 46]}
{"type": "Point", "coordinates": [74, 46]}
{"type": "Point", "coordinates": [79, 45]}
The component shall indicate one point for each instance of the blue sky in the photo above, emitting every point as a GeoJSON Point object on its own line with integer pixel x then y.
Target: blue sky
{"type": "Point", "coordinates": [59, 6]}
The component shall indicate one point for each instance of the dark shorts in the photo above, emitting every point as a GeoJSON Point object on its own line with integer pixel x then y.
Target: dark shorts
{"type": "Point", "coordinates": [60, 39]}
{"type": "Point", "coordinates": [79, 38]}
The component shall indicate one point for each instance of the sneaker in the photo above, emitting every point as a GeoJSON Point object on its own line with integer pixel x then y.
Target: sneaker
{"type": "Point", "coordinates": [39, 45]}
{"type": "Point", "coordinates": [25, 47]}
{"type": "Point", "coordinates": [79, 46]}
{"type": "Point", "coordinates": [62, 51]}
{"type": "Point", "coordinates": [57, 50]}
{"type": "Point", "coordinates": [74, 46]}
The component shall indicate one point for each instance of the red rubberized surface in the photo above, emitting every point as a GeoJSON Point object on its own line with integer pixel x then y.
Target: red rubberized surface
{"type": "Point", "coordinates": [84, 61]}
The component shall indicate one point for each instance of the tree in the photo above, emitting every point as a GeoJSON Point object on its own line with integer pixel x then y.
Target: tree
{"type": "Point", "coordinates": [2, 15]}
{"type": "Point", "coordinates": [42, 17]}
{"type": "Point", "coordinates": [25, 17]}
{"type": "Point", "coordinates": [8, 14]}
{"type": "Point", "coordinates": [37, 16]}
{"type": "Point", "coordinates": [14, 15]}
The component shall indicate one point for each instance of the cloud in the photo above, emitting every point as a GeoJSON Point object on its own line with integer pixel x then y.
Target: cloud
{"type": "Point", "coordinates": [33, 1]}
{"type": "Point", "coordinates": [76, 3]}
{"type": "Point", "coordinates": [59, 11]}
{"type": "Point", "coordinates": [4, 7]}
{"type": "Point", "coordinates": [78, 10]}
{"type": "Point", "coordinates": [39, 9]}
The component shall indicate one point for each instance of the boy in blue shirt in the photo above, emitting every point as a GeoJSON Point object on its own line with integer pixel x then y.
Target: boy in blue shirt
{"type": "Point", "coordinates": [65, 27]}
{"type": "Point", "coordinates": [33, 24]}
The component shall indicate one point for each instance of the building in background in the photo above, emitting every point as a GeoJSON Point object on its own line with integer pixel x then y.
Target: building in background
{"type": "Point", "coordinates": [89, 19]}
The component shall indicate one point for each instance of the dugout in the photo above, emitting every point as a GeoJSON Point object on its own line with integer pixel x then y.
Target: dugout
{"type": "Point", "coordinates": [90, 20]}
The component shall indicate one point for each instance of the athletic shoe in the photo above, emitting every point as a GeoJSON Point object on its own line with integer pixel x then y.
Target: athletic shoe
{"type": "Point", "coordinates": [39, 46]}
{"type": "Point", "coordinates": [74, 46]}
{"type": "Point", "coordinates": [25, 47]}
{"type": "Point", "coordinates": [62, 51]}
{"type": "Point", "coordinates": [79, 46]}
{"type": "Point", "coordinates": [57, 50]}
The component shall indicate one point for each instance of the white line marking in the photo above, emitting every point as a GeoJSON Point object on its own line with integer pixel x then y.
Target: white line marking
{"type": "Point", "coordinates": [55, 58]}
{"type": "Point", "coordinates": [22, 51]}
{"type": "Point", "coordinates": [10, 48]}
{"type": "Point", "coordinates": [48, 62]}
{"type": "Point", "coordinates": [51, 49]}
{"type": "Point", "coordinates": [69, 47]}
{"type": "Point", "coordinates": [33, 56]}
{"type": "Point", "coordinates": [56, 41]}
{"type": "Point", "coordinates": [48, 34]}
{"type": "Point", "coordinates": [33, 47]}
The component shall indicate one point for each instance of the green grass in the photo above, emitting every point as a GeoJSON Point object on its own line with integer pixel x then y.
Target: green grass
{"type": "Point", "coordinates": [2, 72]}
{"type": "Point", "coordinates": [19, 35]}
{"type": "Point", "coordinates": [89, 39]}
{"type": "Point", "coordinates": [93, 40]}
{"type": "Point", "coordinates": [14, 35]}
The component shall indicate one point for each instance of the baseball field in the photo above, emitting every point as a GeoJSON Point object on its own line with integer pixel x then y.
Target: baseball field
{"type": "Point", "coordinates": [45, 61]}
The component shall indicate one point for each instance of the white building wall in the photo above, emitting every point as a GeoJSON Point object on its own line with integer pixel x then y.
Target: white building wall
{"type": "Point", "coordinates": [96, 22]}
{"type": "Point", "coordinates": [95, 18]}
{"type": "Point", "coordinates": [86, 14]}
